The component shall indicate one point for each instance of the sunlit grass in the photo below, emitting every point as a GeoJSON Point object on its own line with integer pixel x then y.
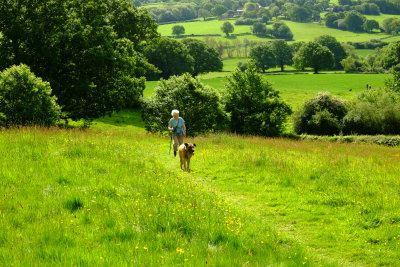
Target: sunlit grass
{"type": "Point", "coordinates": [73, 197]}
{"type": "Point", "coordinates": [296, 88]}
{"type": "Point", "coordinates": [113, 196]}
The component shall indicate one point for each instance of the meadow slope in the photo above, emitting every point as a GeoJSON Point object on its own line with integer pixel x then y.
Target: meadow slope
{"type": "Point", "coordinates": [113, 196]}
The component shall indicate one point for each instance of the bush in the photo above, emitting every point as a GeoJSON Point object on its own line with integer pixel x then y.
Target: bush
{"type": "Point", "coordinates": [254, 107]}
{"type": "Point", "coordinates": [321, 115]}
{"type": "Point", "coordinates": [375, 111]}
{"type": "Point", "coordinates": [198, 104]}
{"type": "Point", "coordinates": [26, 99]}
{"type": "Point", "coordinates": [246, 21]}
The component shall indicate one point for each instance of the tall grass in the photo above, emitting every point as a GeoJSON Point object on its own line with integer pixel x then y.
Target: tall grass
{"type": "Point", "coordinates": [339, 201]}
{"type": "Point", "coordinates": [112, 198]}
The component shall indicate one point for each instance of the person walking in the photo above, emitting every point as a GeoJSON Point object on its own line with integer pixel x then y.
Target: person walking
{"type": "Point", "coordinates": [178, 129]}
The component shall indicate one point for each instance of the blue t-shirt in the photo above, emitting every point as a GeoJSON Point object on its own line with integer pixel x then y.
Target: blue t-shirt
{"type": "Point", "coordinates": [177, 125]}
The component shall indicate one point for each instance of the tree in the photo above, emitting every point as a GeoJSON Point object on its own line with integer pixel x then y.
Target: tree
{"type": "Point", "coordinates": [374, 111]}
{"type": "Point", "coordinates": [26, 99]}
{"type": "Point", "coordinates": [391, 25]}
{"type": "Point", "coordinates": [321, 115]}
{"type": "Point", "coordinates": [263, 56]}
{"type": "Point", "coordinates": [89, 51]}
{"type": "Point", "coordinates": [370, 25]}
{"type": "Point", "coordinates": [354, 21]}
{"type": "Point", "coordinates": [391, 56]}
{"type": "Point", "coordinates": [218, 10]}
{"type": "Point", "coordinates": [178, 30]}
{"type": "Point", "coordinates": [300, 14]}
{"type": "Point", "coordinates": [170, 56]}
{"type": "Point", "coordinates": [254, 107]}
{"type": "Point", "coordinates": [281, 31]}
{"type": "Point", "coordinates": [335, 47]}
{"type": "Point", "coordinates": [259, 28]}
{"type": "Point", "coordinates": [204, 13]}
{"type": "Point", "coordinates": [206, 59]}
{"type": "Point", "coordinates": [227, 28]}
{"type": "Point", "coordinates": [315, 56]}
{"type": "Point", "coordinates": [331, 19]}
{"type": "Point", "coordinates": [283, 53]}
{"type": "Point", "coordinates": [193, 100]}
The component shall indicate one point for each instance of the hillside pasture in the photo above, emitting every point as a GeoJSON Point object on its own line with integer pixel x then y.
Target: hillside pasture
{"type": "Point", "coordinates": [301, 31]}
{"type": "Point", "coordinates": [113, 196]}
{"type": "Point", "coordinates": [296, 88]}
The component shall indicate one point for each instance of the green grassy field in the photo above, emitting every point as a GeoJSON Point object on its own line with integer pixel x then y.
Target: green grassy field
{"type": "Point", "coordinates": [202, 28]}
{"type": "Point", "coordinates": [113, 196]}
{"type": "Point", "coordinates": [364, 52]}
{"type": "Point", "coordinates": [301, 31]}
{"type": "Point", "coordinates": [296, 88]}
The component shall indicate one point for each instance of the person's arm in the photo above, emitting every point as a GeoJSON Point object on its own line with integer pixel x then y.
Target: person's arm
{"type": "Point", "coordinates": [184, 130]}
{"type": "Point", "coordinates": [170, 128]}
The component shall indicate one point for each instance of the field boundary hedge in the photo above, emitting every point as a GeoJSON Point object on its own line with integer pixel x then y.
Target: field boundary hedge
{"type": "Point", "coordinates": [383, 140]}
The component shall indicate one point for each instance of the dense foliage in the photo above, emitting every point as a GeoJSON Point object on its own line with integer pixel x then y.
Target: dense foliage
{"type": "Point", "coordinates": [263, 56]}
{"type": "Point", "coordinates": [170, 56]}
{"type": "Point", "coordinates": [254, 107]}
{"type": "Point", "coordinates": [26, 99]}
{"type": "Point", "coordinates": [337, 49]}
{"type": "Point", "coordinates": [321, 115]}
{"type": "Point", "coordinates": [89, 51]}
{"type": "Point", "coordinates": [374, 111]}
{"type": "Point", "coordinates": [198, 104]}
{"type": "Point", "coordinates": [206, 59]}
{"type": "Point", "coordinates": [315, 56]}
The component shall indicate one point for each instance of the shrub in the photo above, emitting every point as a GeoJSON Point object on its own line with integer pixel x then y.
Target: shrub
{"type": "Point", "coordinates": [198, 104]}
{"type": "Point", "coordinates": [246, 21]}
{"type": "Point", "coordinates": [321, 115]}
{"type": "Point", "coordinates": [26, 99]}
{"type": "Point", "coordinates": [374, 111]}
{"type": "Point", "coordinates": [254, 107]}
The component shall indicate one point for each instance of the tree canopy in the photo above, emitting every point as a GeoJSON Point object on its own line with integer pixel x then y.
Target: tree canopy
{"type": "Point", "coordinates": [170, 56]}
{"type": "Point", "coordinates": [206, 59]}
{"type": "Point", "coordinates": [89, 51]}
{"type": "Point", "coordinates": [315, 56]}
{"type": "Point", "coordinates": [253, 105]}
{"type": "Point", "coordinates": [263, 57]}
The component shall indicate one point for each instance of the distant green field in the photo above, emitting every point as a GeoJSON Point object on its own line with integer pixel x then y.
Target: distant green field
{"type": "Point", "coordinates": [381, 17]}
{"type": "Point", "coordinates": [202, 28]}
{"type": "Point", "coordinates": [301, 31]}
{"type": "Point", "coordinates": [309, 31]}
{"type": "Point", "coordinates": [231, 63]}
{"type": "Point", "coordinates": [364, 52]}
{"type": "Point", "coordinates": [296, 88]}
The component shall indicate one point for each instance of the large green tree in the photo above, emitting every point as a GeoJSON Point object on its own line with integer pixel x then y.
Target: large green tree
{"type": "Point", "coordinates": [283, 53]}
{"type": "Point", "coordinates": [170, 56]}
{"type": "Point", "coordinates": [354, 21]}
{"type": "Point", "coordinates": [227, 28]}
{"type": "Point", "coordinates": [263, 56]}
{"type": "Point", "coordinates": [89, 51]}
{"type": "Point", "coordinates": [254, 107]}
{"type": "Point", "coordinates": [206, 58]}
{"type": "Point", "coordinates": [391, 56]}
{"type": "Point", "coordinates": [281, 31]}
{"type": "Point", "coordinates": [178, 30]}
{"type": "Point", "coordinates": [315, 56]}
{"type": "Point", "coordinates": [335, 47]}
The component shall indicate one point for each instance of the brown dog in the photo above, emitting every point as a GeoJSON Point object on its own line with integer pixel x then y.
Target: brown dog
{"type": "Point", "coordinates": [186, 151]}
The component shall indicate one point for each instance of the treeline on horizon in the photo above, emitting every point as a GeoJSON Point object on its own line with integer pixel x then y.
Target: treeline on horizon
{"type": "Point", "coordinates": [264, 10]}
